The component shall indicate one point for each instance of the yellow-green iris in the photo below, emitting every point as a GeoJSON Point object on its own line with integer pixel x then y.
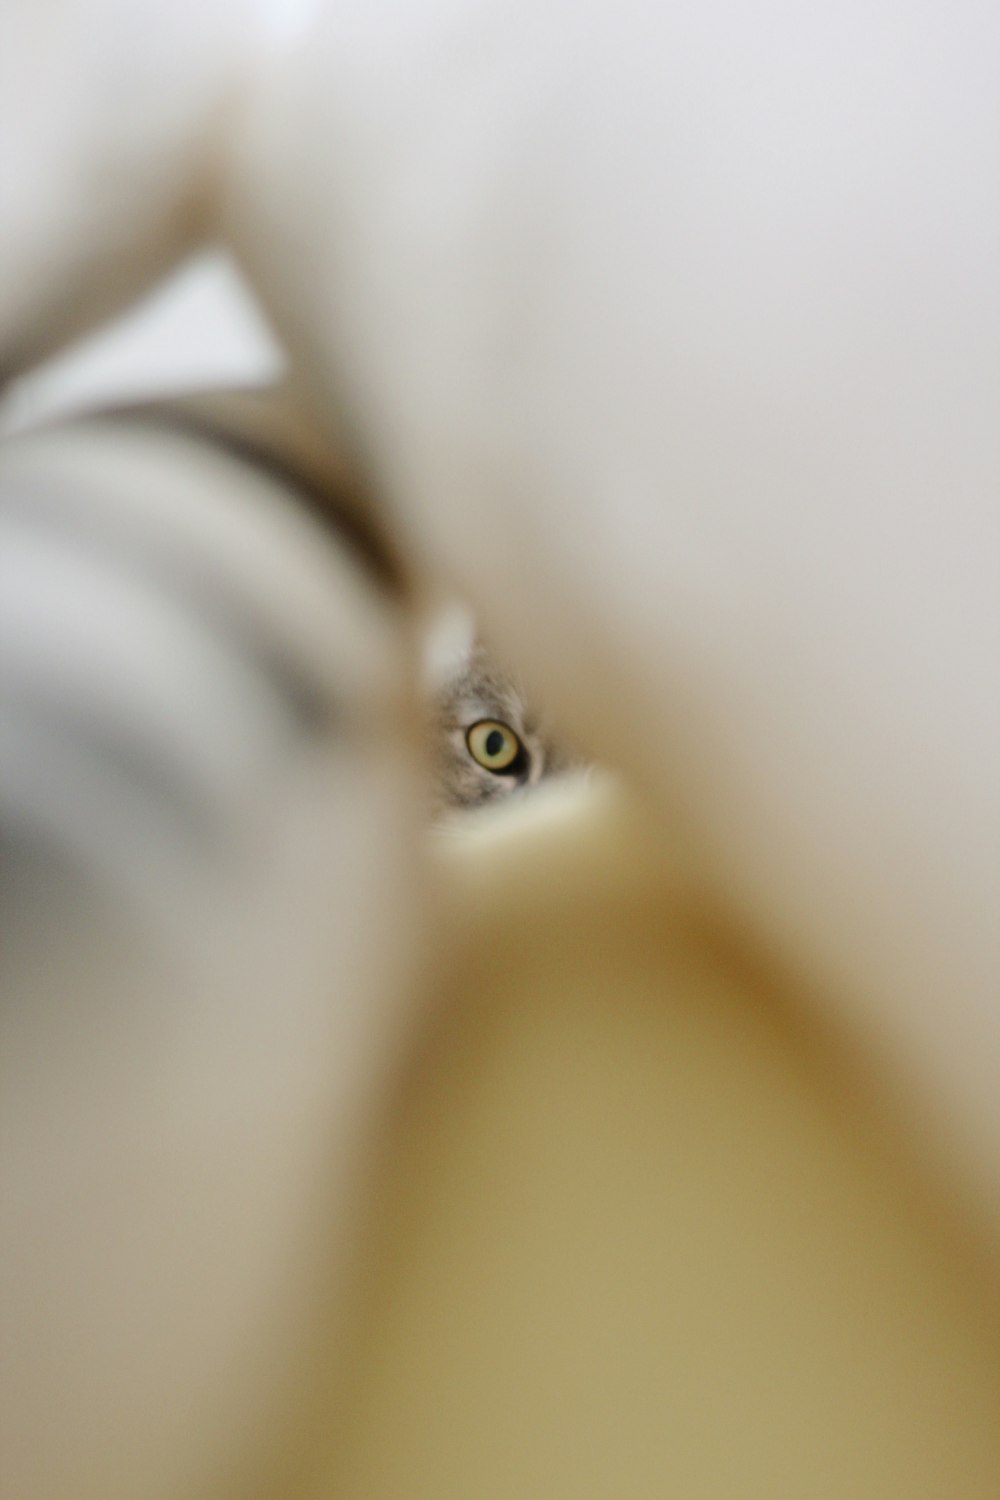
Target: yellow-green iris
{"type": "Point", "coordinates": [493, 745]}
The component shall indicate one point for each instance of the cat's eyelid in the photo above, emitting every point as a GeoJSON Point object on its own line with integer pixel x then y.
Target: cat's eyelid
{"type": "Point", "coordinates": [478, 711]}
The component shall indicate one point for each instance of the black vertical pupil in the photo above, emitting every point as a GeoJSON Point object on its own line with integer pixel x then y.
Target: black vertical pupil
{"type": "Point", "coordinates": [494, 742]}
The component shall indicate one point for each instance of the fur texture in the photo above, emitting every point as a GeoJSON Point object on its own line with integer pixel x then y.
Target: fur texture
{"type": "Point", "coordinates": [477, 692]}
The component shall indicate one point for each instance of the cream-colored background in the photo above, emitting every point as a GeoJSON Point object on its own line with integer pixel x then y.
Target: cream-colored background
{"type": "Point", "coordinates": [641, 1232]}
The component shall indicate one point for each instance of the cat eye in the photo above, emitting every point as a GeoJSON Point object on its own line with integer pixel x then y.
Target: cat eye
{"type": "Point", "coordinates": [495, 747]}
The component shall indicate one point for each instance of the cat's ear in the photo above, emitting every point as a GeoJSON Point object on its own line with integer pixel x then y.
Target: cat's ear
{"type": "Point", "coordinates": [450, 644]}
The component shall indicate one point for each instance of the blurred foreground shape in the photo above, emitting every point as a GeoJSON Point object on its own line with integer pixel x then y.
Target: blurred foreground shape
{"type": "Point", "coordinates": [669, 335]}
{"type": "Point", "coordinates": [640, 1231]}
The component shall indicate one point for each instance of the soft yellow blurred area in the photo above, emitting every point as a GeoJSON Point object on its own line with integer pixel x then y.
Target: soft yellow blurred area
{"type": "Point", "coordinates": [527, 1165]}
{"type": "Point", "coordinates": [639, 1232]}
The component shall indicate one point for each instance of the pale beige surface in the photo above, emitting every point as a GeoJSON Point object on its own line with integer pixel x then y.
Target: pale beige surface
{"type": "Point", "coordinates": [670, 334]}
{"type": "Point", "coordinates": [639, 1233]}
{"type": "Point", "coordinates": [203, 753]}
